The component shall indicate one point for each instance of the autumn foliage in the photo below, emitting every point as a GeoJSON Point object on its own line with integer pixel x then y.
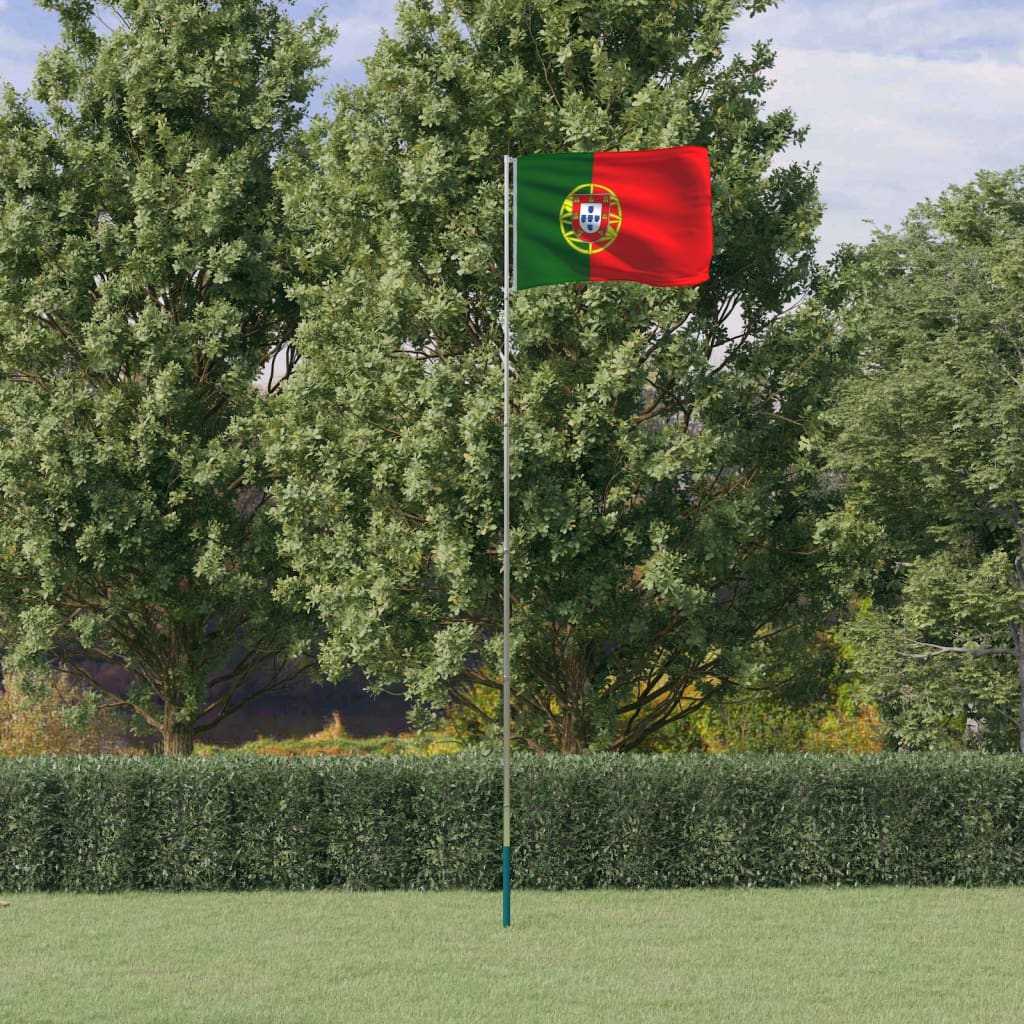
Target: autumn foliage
{"type": "Point", "coordinates": [54, 719]}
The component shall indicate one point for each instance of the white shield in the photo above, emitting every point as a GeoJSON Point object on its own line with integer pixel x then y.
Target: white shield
{"type": "Point", "coordinates": [590, 217]}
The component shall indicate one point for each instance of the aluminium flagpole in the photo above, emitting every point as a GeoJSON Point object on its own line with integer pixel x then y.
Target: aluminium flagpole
{"type": "Point", "coordinates": [506, 805]}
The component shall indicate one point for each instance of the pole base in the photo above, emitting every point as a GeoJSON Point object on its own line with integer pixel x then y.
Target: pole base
{"type": "Point", "coordinates": [506, 886]}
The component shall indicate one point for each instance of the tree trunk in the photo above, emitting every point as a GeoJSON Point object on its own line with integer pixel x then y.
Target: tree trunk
{"type": "Point", "coordinates": [975, 728]}
{"type": "Point", "coordinates": [179, 737]}
{"type": "Point", "coordinates": [569, 739]}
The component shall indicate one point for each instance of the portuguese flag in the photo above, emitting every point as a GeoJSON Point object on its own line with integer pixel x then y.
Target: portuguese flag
{"type": "Point", "coordinates": [642, 215]}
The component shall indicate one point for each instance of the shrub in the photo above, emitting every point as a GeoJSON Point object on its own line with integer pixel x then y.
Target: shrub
{"type": "Point", "coordinates": [53, 716]}
{"type": "Point", "coordinates": [242, 822]}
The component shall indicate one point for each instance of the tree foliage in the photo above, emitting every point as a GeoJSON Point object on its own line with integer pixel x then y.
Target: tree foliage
{"type": "Point", "coordinates": [662, 506]}
{"type": "Point", "coordinates": [143, 286]}
{"type": "Point", "coordinates": [51, 716]}
{"type": "Point", "coordinates": [928, 440]}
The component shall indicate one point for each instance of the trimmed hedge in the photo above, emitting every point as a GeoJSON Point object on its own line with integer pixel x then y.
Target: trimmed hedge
{"type": "Point", "coordinates": [233, 822]}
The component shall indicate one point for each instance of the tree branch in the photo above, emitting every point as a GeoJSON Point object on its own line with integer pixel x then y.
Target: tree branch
{"type": "Point", "coordinates": [939, 650]}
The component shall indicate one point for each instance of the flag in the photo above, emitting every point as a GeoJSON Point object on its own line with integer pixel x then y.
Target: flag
{"type": "Point", "coordinates": [642, 215]}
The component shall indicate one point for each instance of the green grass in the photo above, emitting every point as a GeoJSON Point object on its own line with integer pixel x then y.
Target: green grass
{"type": "Point", "coordinates": [864, 956]}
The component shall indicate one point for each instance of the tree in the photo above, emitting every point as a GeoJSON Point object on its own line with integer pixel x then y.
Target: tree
{"type": "Point", "coordinates": [143, 285]}
{"type": "Point", "coordinates": [662, 508]}
{"type": "Point", "coordinates": [928, 439]}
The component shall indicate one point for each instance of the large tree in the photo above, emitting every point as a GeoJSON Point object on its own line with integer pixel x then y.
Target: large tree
{"type": "Point", "coordinates": [928, 439]}
{"type": "Point", "coordinates": [143, 287]}
{"type": "Point", "coordinates": [661, 505]}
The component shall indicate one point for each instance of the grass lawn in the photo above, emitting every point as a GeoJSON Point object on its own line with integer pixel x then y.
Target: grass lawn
{"type": "Point", "coordinates": [862, 956]}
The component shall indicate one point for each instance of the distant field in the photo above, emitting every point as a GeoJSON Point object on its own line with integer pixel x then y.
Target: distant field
{"type": "Point", "coordinates": [863, 956]}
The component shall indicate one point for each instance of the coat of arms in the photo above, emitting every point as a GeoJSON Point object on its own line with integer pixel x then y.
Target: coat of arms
{"type": "Point", "coordinates": [590, 218]}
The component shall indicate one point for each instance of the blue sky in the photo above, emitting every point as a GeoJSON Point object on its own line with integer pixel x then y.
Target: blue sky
{"type": "Point", "coordinates": [902, 97]}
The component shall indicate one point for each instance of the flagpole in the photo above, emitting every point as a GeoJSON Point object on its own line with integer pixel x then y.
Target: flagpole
{"type": "Point", "coordinates": [506, 742]}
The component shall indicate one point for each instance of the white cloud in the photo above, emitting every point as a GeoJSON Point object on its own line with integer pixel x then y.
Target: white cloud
{"type": "Point", "coordinates": [358, 34]}
{"type": "Point", "coordinates": [890, 132]}
{"type": "Point", "coordinates": [357, 39]}
{"type": "Point", "coordinates": [902, 98]}
{"type": "Point", "coordinates": [18, 57]}
{"type": "Point", "coordinates": [25, 31]}
{"type": "Point", "coordinates": [965, 30]}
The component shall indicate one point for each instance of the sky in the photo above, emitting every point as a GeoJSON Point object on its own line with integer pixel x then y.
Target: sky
{"type": "Point", "coordinates": [902, 98]}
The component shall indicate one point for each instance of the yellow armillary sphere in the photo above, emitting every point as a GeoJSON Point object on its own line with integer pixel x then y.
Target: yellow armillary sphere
{"type": "Point", "coordinates": [590, 218]}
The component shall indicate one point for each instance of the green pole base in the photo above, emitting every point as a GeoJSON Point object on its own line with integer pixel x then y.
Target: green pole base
{"type": "Point", "coordinates": [506, 886]}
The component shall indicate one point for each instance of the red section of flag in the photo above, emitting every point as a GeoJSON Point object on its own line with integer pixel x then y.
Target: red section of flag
{"type": "Point", "coordinates": [665, 197]}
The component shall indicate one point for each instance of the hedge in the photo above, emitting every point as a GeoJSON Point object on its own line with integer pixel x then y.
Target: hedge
{"type": "Point", "coordinates": [234, 822]}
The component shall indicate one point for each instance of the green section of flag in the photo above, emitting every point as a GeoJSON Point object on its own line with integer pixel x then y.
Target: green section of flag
{"type": "Point", "coordinates": [542, 184]}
